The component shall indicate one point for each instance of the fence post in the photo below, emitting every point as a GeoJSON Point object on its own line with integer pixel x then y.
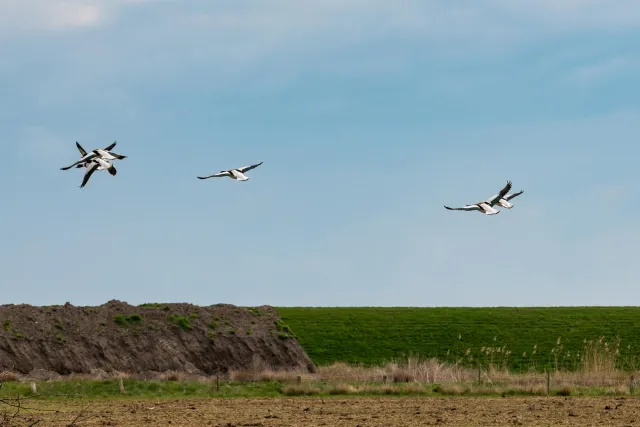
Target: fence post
{"type": "Point", "coordinates": [548, 381]}
{"type": "Point", "coordinates": [384, 379]}
{"type": "Point", "coordinates": [631, 385]}
{"type": "Point", "coordinates": [217, 380]}
{"type": "Point", "coordinates": [479, 375]}
{"type": "Point", "coordinates": [299, 379]}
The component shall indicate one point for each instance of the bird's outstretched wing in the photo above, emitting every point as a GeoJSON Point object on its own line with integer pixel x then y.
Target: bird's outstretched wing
{"type": "Point", "coordinates": [494, 199]}
{"type": "Point", "coordinates": [248, 168]}
{"type": "Point", "coordinates": [465, 208]}
{"type": "Point", "coordinates": [511, 196]}
{"type": "Point", "coordinates": [110, 147]}
{"type": "Point", "coordinates": [82, 151]}
{"type": "Point", "coordinates": [91, 168]}
{"type": "Point", "coordinates": [217, 175]}
{"type": "Point", "coordinates": [84, 159]}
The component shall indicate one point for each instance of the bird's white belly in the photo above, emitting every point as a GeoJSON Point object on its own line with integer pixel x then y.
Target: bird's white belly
{"type": "Point", "coordinates": [106, 155]}
{"type": "Point", "coordinates": [239, 175]}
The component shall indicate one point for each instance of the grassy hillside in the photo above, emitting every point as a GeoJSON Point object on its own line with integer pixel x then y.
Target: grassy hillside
{"type": "Point", "coordinates": [519, 338]}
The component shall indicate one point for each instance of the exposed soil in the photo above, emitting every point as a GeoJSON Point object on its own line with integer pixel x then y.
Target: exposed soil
{"type": "Point", "coordinates": [119, 337]}
{"type": "Point", "coordinates": [353, 412]}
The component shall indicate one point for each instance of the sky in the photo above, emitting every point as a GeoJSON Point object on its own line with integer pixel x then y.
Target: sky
{"type": "Point", "coordinates": [369, 116]}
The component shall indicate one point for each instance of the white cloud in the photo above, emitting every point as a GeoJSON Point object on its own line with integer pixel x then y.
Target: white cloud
{"type": "Point", "coordinates": [39, 16]}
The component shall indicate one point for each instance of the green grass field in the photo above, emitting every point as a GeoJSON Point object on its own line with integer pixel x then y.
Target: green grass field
{"type": "Point", "coordinates": [518, 338]}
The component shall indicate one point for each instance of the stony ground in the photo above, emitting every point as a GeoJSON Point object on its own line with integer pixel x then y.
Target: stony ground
{"type": "Point", "coordinates": [353, 412]}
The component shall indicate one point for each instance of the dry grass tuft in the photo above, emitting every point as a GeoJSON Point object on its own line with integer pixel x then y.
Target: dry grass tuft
{"type": "Point", "coordinates": [172, 376]}
{"type": "Point", "coordinates": [341, 389]}
{"type": "Point", "coordinates": [565, 390]}
{"type": "Point", "coordinates": [7, 376]}
{"type": "Point", "coordinates": [242, 376]}
{"type": "Point", "coordinates": [536, 389]}
{"type": "Point", "coordinates": [305, 389]}
{"type": "Point", "coordinates": [453, 389]}
{"type": "Point", "coordinates": [402, 375]}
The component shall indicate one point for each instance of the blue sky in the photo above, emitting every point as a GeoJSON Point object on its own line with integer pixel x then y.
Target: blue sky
{"type": "Point", "coordinates": [369, 117]}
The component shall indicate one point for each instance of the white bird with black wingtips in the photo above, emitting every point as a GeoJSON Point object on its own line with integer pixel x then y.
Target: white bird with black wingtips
{"type": "Point", "coordinates": [486, 207]}
{"type": "Point", "coordinates": [103, 153]}
{"type": "Point", "coordinates": [504, 202]}
{"type": "Point", "coordinates": [238, 173]}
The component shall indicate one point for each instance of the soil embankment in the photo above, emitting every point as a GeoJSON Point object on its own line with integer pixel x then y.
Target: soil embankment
{"type": "Point", "coordinates": [118, 337]}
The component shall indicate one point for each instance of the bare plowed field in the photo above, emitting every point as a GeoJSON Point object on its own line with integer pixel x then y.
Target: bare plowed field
{"type": "Point", "coordinates": [337, 412]}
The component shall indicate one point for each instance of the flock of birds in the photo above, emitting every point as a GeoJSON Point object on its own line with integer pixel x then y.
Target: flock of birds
{"type": "Point", "coordinates": [487, 207]}
{"type": "Point", "coordinates": [99, 159]}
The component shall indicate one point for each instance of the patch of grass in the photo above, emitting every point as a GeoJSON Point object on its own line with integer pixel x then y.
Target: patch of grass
{"type": "Point", "coordinates": [519, 339]}
{"type": "Point", "coordinates": [155, 305]}
{"type": "Point", "coordinates": [60, 338]}
{"type": "Point", "coordinates": [101, 389]}
{"type": "Point", "coordinates": [254, 311]}
{"type": "Point", "coordinates": [122, 320]}
{"type": "Point", "coordinates": [249, 332]}
{"type": "Point", "coordinates": [284, 330]}
{"type": "Point", "coordinates": [181, 321]}
{"type": "Point", "coordinates": [213, 325]}
{"type": "Point", "coordinates": [6, 325]}
{"type": "Point", "coordinates": [212, 337]}
{"type": "Point", "coordinates": [134, 318]}
{"type": "Point", "coordinates": [280, 326]}
{"type": "Point", "coordinates": [174, 385]}
{"type": "Point", "coordinates": [18, 335]}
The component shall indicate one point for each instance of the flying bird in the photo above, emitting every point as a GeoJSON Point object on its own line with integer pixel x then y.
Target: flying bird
{"type": "Point", "coordinates": [104, 153]}
{"type": "Point", "coordinates": [97, 164]}
{"type": "Point", "coordinates": [504, 202]}
{"type": "Point", "coordinates": [486, 207]}
{"type": "Point", "coordinates": [238, 173]}
{"type": "Point", "coordinates": [83, 153]}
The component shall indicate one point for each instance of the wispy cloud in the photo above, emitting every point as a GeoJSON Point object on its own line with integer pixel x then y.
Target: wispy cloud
{"type": "Point", "coordinates": [262, 27]}
{"type": "Point", "coordinates": [598, 71]}
{"type": "Point", "coordinates": [255, 42]}
{"type": "Point", "coordinates": [40, 16]}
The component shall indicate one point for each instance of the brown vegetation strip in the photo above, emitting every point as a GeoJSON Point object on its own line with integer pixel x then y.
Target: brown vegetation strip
{"type": "Point", "coordinates": [338, 412]}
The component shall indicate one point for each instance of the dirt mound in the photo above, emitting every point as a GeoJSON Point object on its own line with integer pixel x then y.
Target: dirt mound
{"type": "Point", "coordinates": [120, 337]}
